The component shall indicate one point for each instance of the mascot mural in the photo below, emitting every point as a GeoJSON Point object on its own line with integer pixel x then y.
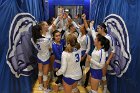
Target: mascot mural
{"type": "Point", "coordinates": [20, 46]}
{"type": "Point", "coordinates": [117, 28]}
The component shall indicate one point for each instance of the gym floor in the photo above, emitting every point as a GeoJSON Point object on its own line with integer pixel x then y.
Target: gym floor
{"type": "Point", "coordinates": [82, 89]}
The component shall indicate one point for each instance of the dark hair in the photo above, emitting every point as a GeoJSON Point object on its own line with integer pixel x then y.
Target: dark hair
{"type": "Point", "coordinates": [36, 33]}
{"type": "Point", "coordinates": [85, 29]}
{"type": "Point", "coordinates": [79, 15]}
{"type": "Point", "coordinates": [102, 25]}
{"type": "Point", "coordinates": [56, 31]}
{"type": "Point", "coordinates": [70, 15]}
{"type": "Point", "coordinates": [104, 42]}
{"type": "Point", "coordinates": [49, 21]}
{"type": "Point", "coordinates": [72, 43]}
{"type": "Point", "coordinates": [71, 25]}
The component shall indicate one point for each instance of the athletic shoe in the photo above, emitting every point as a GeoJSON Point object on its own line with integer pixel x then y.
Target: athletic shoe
{"type": "Point", "coordinates": [47, 90]}
{"type": "Point", "coordinates": [40, 87]}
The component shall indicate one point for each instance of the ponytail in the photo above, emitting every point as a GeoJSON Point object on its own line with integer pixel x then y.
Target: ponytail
{"type": "Point", "coordinates": [102, 25]}
{"type": "Point", "coordinates": [72, 43]}
{"type": "Point", "coordinates": [36, 33]}
{"type": "Point", "coordinates": [104, 42]}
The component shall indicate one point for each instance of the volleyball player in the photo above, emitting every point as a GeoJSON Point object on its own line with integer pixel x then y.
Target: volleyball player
{"type": "Point", "coordinates": [101, 29]}
{"type": "Point", "coordinates": [70, 67]}
{"type": "Point", "coordinates": [97, 61]}
{"type": "Point", "coordinates": [42, 42]}
{"type": "Point", "coordinates": [57, 48]}
{"type": "Point", "coordinates": [84, 41]}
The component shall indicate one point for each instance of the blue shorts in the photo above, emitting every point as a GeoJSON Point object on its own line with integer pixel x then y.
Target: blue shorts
{"type": "Point", "coordinates": [44, 63]}
{"type": "Point", "coordinates": [56, 65]}
{"type": "Point", "coordinates": [69, 81]}
{"type": "Point", "coordinates": [83, 52]}
{"type": "Point", "coordinates": [96, 73]}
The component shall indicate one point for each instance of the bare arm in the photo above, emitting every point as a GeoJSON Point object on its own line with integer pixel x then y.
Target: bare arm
{"type": "Point", "coordinates": [63, 65]}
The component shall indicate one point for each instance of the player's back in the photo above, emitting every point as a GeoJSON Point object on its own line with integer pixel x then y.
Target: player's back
{"type": "Point", "coordinates": [73, 64]}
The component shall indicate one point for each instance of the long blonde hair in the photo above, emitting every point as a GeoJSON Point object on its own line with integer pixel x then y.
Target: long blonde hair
{"type": "Point", "coordinates": [71, 43]}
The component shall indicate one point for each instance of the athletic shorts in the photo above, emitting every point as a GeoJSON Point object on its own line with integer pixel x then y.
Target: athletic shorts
{"type": "Point", "coordinates": [69, 81]}
{"type": "Point", "coordinates": [96, 73]}
{"type": "Point", "coordinates": [43, 62]}
{"type": "Point", "coordinates": [83, 52]}
{"type": "Point", "coordinates": [56, 65]}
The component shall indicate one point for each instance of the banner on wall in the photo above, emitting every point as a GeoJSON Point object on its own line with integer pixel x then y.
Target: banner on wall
{"type": "Point", "coordinates": [118, 30]}
{"type": "Point", "coordinates": [20, 46]}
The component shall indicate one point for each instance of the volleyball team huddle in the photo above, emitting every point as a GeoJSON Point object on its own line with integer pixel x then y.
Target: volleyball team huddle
{"type": "Point", "coordinates": [63, 54]}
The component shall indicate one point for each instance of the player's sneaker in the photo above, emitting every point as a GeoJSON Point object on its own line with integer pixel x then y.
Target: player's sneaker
{"type": "Point", "coordinates": [40, 87]}
{"type": "Point", "coordinates": [47, 90]}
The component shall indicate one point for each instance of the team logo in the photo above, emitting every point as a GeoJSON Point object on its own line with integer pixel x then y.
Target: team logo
{"type": "Point", "coordinates": [118, 30]}
{"type": "Point", "coordinates": [20, 46]}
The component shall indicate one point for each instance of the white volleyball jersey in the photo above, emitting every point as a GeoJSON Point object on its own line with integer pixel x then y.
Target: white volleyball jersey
{"type": "Point", "coordinates": [42, 45]}
{"type": "Point", "coordinates": [98, 59]}
{"type": "Point", "coordinates": [70, 65]}
{"type": "Point", "coordinates": [84, 42]}
{"type": "Point", "coordinates": [109, 37]}
{"type": "Point", "coordinates": [111, 41]}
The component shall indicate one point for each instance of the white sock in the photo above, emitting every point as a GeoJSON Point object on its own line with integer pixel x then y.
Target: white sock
{"type": "Point", "coordinates": [93, 91]}
{"type": "Point", "coordinates": [105, 89]}
{"type": "Point", "coordinates": [40, 87]}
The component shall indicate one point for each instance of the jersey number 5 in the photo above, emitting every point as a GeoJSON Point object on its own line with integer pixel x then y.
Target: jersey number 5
{"type": "Point", "coordinates": [77, 57]}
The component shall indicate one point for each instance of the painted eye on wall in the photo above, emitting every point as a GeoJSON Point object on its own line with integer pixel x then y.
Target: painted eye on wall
{"type": "Point", "coordinates": [19, 42]}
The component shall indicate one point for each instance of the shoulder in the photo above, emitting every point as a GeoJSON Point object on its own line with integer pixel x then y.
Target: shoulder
{"type": "Point", "coordinates": [77, 51]}
{"type": "Point", "coordinates": [87, 35]}
{"type": "Point", "coordinates": [40, 40]}
{"type": "Point", "coordinates": [53, 44]}
{"type": "Point", "coordinates": [64, 53]}
{"type": "Point", "coordinates": [108, 37]}
{"type": "Point", "coordinates": [62, 41]}
{"type": "Point", "coordinates": [103, 51]}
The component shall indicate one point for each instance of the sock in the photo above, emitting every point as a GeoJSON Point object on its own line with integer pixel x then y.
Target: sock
{"type": "Point", "coordinates": [40, 87]}
{"type": "Point", "coordinates": [93, 91]}
{"type": "Point", "coordinates": [105, 89]}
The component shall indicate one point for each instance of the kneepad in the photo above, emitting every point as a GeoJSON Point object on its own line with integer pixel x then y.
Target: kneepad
{"type": "Point", "coordinates": [45, 77]}
{"type": "Point", "coordinates": [104, 78]}
{"type": "Point", "coordinates": [40, 73]}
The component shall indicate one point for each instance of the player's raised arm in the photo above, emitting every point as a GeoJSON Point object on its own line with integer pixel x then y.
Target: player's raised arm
{"type": "Point", "coordinates": [92, 30]}
{"type": "Point", "coordinates": [85, 21]}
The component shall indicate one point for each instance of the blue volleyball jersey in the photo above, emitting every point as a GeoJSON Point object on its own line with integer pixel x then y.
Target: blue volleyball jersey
{"type": "Point", "coordinates": [58, 49]}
